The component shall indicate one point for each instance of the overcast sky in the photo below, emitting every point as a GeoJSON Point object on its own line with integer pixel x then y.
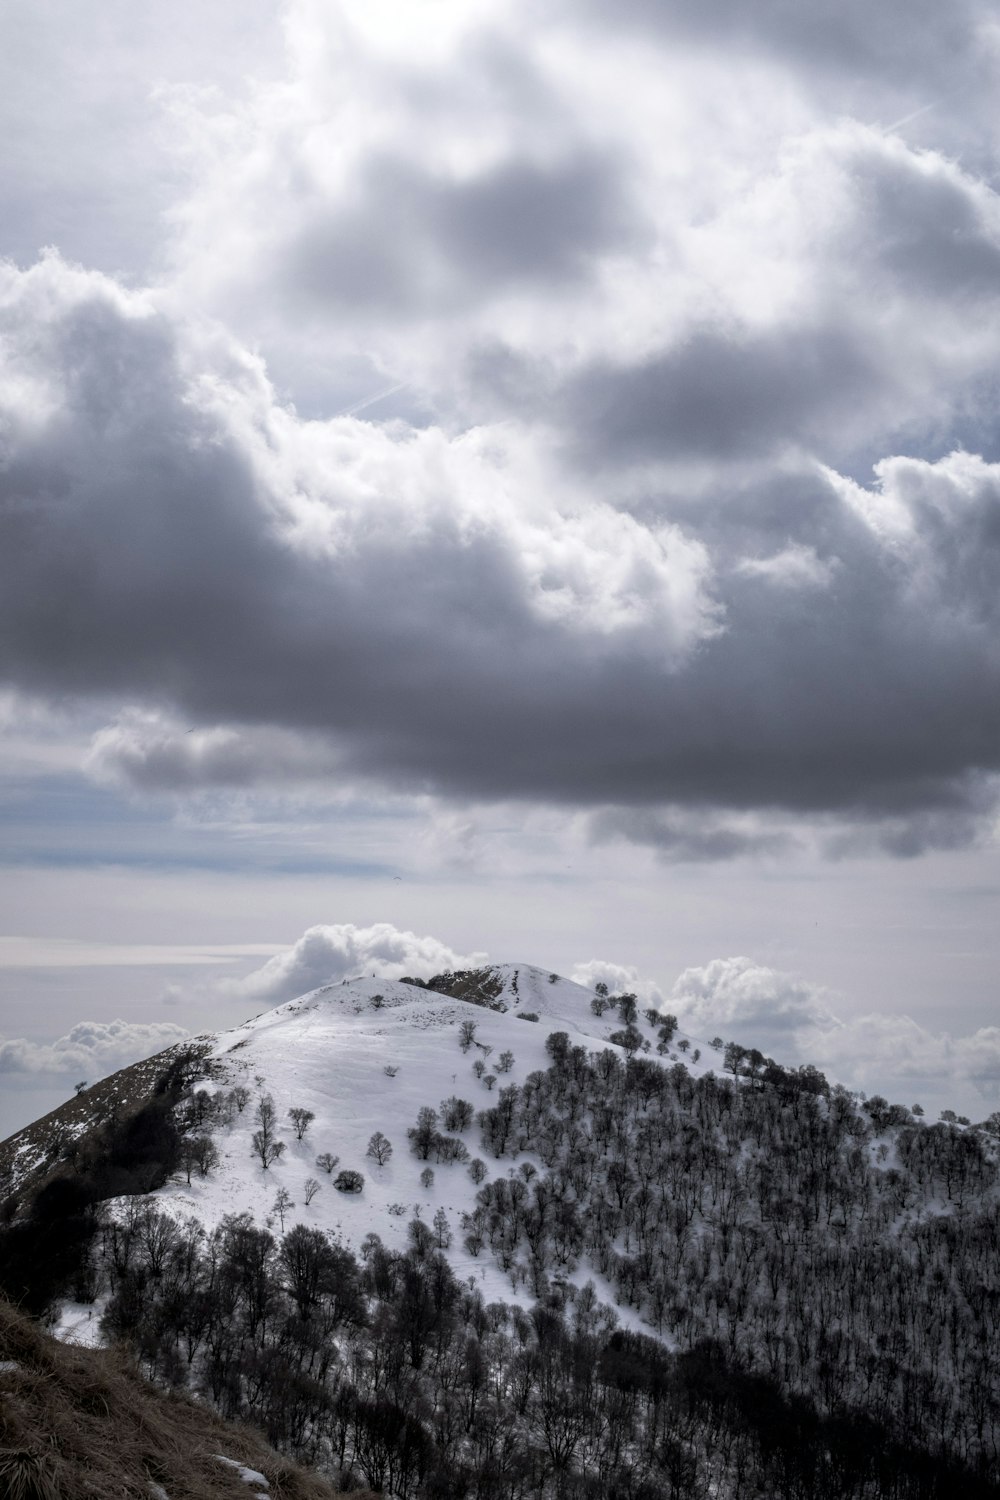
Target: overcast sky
{"type": "Point", "coordinates": [502, 478]}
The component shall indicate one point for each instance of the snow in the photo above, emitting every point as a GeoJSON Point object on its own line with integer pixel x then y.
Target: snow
{"type": "Point", "coordinates": [248, 1476]}
{"type": "Point", "coordinates": [79, 1323]}
{"type": "Point", "coordinates": [327, 1052]}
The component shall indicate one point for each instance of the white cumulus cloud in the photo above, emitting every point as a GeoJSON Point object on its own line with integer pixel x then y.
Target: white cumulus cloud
{"type": "Point", "coordinates": [91, 1049]}
{"type": "Point", "coordinates": [737, 993]}
{"type": "Point", "coordinates": [786, 1016]}
{"type": "Point", "coordinates": [619, 978]}
{"type": "Point", "coordinates": [328, 954]}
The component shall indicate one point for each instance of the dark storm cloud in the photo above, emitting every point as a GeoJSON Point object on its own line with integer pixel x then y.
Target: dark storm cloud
{"type": "Point", "coordinates": [405, 239]}
{"type": "Point", "coordinates": [162, 543]}
{"type": "Point", "coordinates": [692, 836]}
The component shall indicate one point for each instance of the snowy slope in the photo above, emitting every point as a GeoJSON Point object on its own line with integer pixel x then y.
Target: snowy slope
{"type": "Point", "coordinates": [328, 1052]}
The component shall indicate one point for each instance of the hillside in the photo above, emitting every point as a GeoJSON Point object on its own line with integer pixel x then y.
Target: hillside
{"type": "Point", "coordinates": [496, 1235]}
{"type": "Point", "coordinates": [367, 1056]}
{"type": "Point", "coordinates": [81, 1424]}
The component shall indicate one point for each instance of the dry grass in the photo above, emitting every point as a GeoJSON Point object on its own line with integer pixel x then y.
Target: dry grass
{"type": "Point", "coordinates": [80, 1424]}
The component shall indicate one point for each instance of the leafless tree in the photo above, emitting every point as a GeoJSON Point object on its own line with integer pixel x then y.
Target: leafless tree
{"type": "Point", "coordinates": [380, 1148]}
{"type": "Point", "coordinates": [301, 1120]}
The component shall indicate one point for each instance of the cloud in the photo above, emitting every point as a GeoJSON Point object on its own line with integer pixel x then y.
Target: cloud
{"type": "Point", "coordinates": [733, 993]}
{"type": "Point", "coordinates": [338, 599]}
{"type": "Point", "coordinates": [91, 1049]}
{"type": "Point", "coordinates": [680, 506]}
{"type": "Point", "coordinates": [147, 750]}
{"type": "Point", "coordinates": [411, 241]}
{"type": "Point", "coordinates": [619, 978]}
{"type": "Point", "coordinates": [329, 954]}
{"type": "Point", "coordinates": [795, 567]}
{"type": "Point", "coordinates": [788, 1017]}
{"type": "Point", "coordinates": [903, 50]}
{"type": "Point", "coordinates": [683, 836]}
{"type": "Point", "coordinates": [893, 1054]}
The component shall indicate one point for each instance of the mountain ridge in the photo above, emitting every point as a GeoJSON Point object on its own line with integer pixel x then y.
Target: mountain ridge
{"type": "Point", "coordinates": [818, 1273]}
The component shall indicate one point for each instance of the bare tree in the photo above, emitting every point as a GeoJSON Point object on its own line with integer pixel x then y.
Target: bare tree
{"type": "Point", "coordinates": [188, 1157]}
{"type": "Point", "coordinates": [423, 1135]}
{"type": "Point", "coordinates": [327, 1162]}
{"type": "Point", "coordinates": [466, 1035]}
{"type": "Point", "coordinates": [301, 1120]}
{"type": "Point", "coordinates": [380, 1147]}
{"type": "Point", "coordinates": [198, 1151]}
{"type": "Point", "coordinates": [442, 1231]}
{"type": "Point", "coordinates": [267, 1149]}
{"type": "Point", "coordinates": [456, 1114]}
{"type": "Point", "coordinates": [310, 1189]}
{"type": "Point", "coordinates": [281, 1205]}
{"type": "Point", "coordinates": [206, 1154]}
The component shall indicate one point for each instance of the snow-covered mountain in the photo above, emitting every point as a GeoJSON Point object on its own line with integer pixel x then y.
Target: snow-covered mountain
{"type": "Point", "coordinates": [366, 1056]}
{"type": "Point", "coordinates": [669, 1214]}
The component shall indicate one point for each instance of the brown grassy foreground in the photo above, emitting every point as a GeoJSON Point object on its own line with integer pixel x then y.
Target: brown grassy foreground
{"type": "Point", "coordinates": [80, 1423]}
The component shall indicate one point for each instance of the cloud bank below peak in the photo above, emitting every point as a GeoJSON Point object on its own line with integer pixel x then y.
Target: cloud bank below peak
{"type": "Point", "coordinates": [790, 1018]}
{"type": "Point", "coordinates": [90, 1050]}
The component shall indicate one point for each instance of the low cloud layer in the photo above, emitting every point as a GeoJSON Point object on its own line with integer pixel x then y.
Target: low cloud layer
{"type": "Point", "coordinates": [90, 1050]}
{"type": "Point", "coordinates": [787, 1017]}
{"type": "Point", "coordinates": [329, 954]}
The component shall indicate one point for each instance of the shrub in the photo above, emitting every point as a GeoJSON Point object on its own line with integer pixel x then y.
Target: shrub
{"type": "Point", "coordinates": [349, 1181]}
